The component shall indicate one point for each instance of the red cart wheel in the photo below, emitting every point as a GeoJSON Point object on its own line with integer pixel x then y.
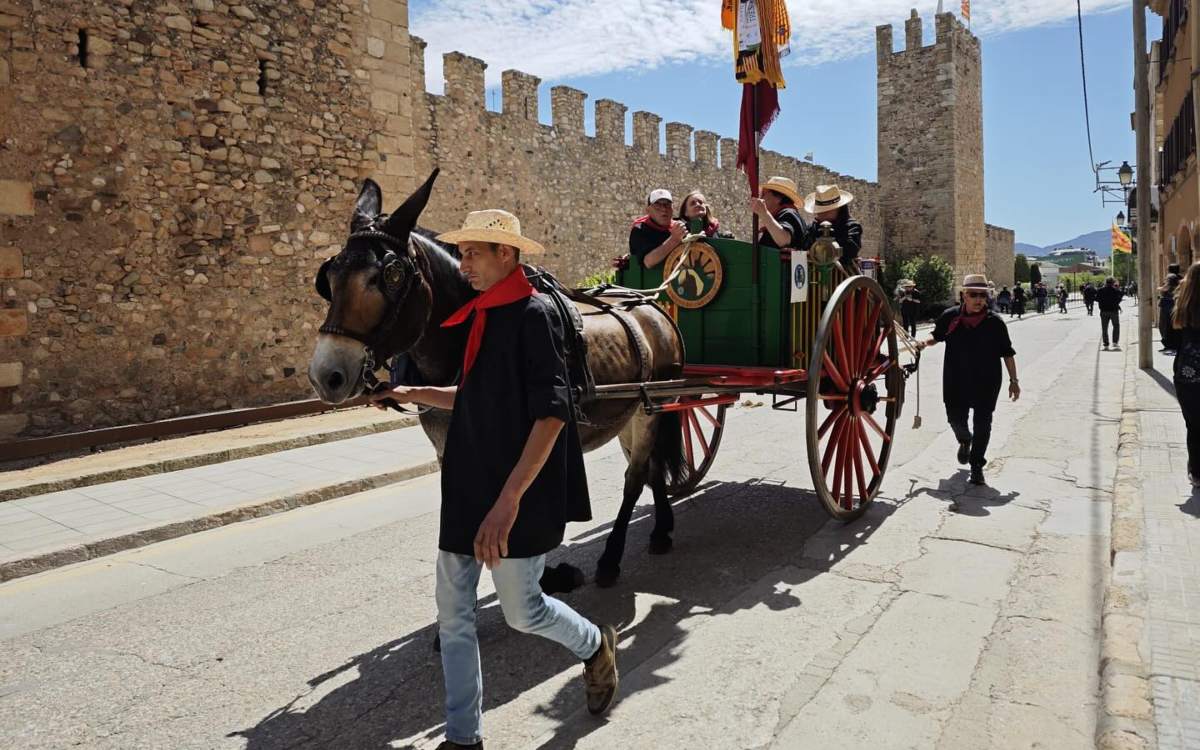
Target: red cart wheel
{"type": "Point", "coordinates": [702, 430]}
{"type": "Point", "coordinates": [855, 393]}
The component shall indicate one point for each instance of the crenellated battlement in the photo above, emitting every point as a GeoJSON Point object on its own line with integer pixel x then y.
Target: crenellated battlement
{"type": "Point", "coordinates": [950, 34]}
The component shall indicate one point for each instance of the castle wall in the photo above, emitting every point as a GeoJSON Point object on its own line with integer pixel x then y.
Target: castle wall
{"type": "Point", "coordinates": [171, 176]}
{"type": "Point", "coordinates": [574, 192]}
{"type": "Point", "coordinates": [1001, 254]}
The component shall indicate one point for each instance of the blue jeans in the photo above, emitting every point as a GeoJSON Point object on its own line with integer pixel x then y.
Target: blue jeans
{"type": "Point", "coordinates": [525, 608]}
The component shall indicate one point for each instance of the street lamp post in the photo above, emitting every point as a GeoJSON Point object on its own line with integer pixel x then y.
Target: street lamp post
{"type": "Point", "coordinates": [1141, 85]}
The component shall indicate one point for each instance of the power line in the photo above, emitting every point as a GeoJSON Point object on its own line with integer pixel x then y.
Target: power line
{"type": "Point", "coordinates": [1087, 118]}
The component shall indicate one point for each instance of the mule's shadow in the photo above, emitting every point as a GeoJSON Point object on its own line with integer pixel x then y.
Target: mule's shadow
{"type": "Point", "coordinates": [738, 545]}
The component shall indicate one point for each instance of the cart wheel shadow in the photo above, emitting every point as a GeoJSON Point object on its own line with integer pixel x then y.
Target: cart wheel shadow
{"type": "Point", "coordinates": [737, 546]}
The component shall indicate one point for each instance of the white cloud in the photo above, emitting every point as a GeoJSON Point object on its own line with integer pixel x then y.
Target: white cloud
{"type": "Point", "coordinates": [571, 38]}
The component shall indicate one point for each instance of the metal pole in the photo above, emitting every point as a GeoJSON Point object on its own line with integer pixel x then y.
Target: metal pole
{"type": "Point", "coordinates": [1141, 87]}
{"type": "Point", "coordinates": [755, 303]}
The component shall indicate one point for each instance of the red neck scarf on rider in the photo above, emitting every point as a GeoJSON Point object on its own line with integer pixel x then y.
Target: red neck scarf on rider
{"type": "Point", "coordinates": [514, 288]}
{"type": "Point", "coordinates": [654, 224]}
{"type": "Point", "coordinates": [970, 321]}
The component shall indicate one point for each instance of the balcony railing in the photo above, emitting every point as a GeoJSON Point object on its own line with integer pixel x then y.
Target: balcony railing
{"type": "Point", "coordinates": [1179, 144]}
{"type": "Point", "coordinates": [1176, 16]}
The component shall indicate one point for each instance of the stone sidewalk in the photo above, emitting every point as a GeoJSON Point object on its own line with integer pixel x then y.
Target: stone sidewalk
{"type": "Point", "coordinates": [1171, 555]}
{"type": "Point", "coordinates": [44, 531]}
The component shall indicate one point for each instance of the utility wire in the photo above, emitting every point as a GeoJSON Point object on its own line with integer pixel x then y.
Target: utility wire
{"type": "Point", "coordinates": [1087, 118]}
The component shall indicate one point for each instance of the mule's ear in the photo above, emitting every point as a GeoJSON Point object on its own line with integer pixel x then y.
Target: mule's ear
{"type": "Point", "coordinates": [403, 219]}
{"type": "Point", "coordinates": [368, 206]}
{"type": "Point", "coordinates": [322, 281]}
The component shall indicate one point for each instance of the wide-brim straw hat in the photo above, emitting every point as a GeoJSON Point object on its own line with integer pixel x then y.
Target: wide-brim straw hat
{"type": "Point", "coordinates": [783, 186]}
{"type": "Point", "coordinates": [493, 225]}
{"type": "Point", "coordinates": [975, 281]}
{"type": "Point", "coordinates": [827, 198]}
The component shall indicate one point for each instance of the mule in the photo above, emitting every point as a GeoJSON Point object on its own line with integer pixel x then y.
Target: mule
{"type": "Point", "coordinates": [391, 287]}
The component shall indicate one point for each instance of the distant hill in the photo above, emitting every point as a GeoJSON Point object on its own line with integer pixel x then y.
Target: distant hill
{"type": "Point", "coordinates": [1098, 242]}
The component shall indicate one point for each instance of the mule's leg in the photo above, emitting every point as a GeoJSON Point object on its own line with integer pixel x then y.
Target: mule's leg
{"type": "Point", "coordinates": [637, 448]}
{"type": "Point", "coordinates": [666, 460]}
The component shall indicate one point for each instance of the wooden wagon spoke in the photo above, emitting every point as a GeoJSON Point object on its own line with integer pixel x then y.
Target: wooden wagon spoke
{"type": "Point", "coordinates": [839, 379]}
{"type": "Point", "coordinates": [838, 428]}
{"type": "Point", "coordinates": [863, 332]}
{"type": "Point", "coordinates": [691, 415]}
{"type": "Point", "coordinates": [858, 469]}
{"type": "Point", "coordinates": [875, 426]}
{"type": "Point", "coordinates": [876, 345]}
{"type": "Point", "coordinates": [708, 415]}
{"type": "Point", "coordinates": [832, 396]}
{"type": "Point", "coordinates": [845, 464]}
{"type": "Point", "coordinates": [838, 411]}
{"type": "Point", "coordinates": [839, 460]}
{"type": "Point", "coordinates": [850, 318]}
{"type": "Point", "coordinates": [687, 443]}
{"type": "Point", "coordinates": [839, 338]}
{"type": "Point", "coordinates": [879, 370]}
{"type": "Point", "coordinates": [870, 454]}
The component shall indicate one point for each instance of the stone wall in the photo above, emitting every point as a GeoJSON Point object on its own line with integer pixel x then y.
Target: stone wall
{"type": "Point", "coordinates": [170, 175]}
{"type": "Point", "coordinates": [931, 144]}
{"type": "Point", "coordinates": [574, 192]}
{"type": "Point", "coordinates": [1001, 251]}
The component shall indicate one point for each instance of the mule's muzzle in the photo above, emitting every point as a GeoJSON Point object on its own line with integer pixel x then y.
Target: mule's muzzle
{"type": "Point", "coordinates": [335, 371]}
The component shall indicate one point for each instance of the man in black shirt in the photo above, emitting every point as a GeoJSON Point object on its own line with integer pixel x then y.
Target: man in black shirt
{"type": "Point", "coordinates": [779, 221]}
{"type": "Point", "coordinates": [1109, 298]}
{"type": "Point", "coordinates": [655, 235]}
{"type": "Point", "coordinates": [976, 342]}
{"type": "Point", "coordinates": [512, 473]}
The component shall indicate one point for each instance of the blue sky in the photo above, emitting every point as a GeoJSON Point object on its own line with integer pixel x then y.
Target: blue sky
{"type": "Point", "coordinates": [670, 57]}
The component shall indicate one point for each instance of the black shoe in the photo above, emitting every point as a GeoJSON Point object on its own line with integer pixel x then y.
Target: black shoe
{"type": "Point", "coordinates": [448, 745]}
{"type": "Point", "coordinates": [977, 475]}
{"type": "Point", "coordinates": [964, 452]}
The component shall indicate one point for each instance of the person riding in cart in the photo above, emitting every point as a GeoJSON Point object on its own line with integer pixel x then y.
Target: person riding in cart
{"type": "Point", "coordinates": [654, 235]}
{"type": "Point", "coordinates": [832, 204]}
{"type": "Point", "coordinates": [779, 221]}
{"type": "Point", "coordinates": [976, 343]}
{"type": "Point", "coordinates": [512, 473]}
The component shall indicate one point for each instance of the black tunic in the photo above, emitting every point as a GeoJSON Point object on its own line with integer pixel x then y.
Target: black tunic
{"type": "Point", "coordinates": [791, 220]}
{"type": "Point", "coordinates": [519, 376]}
{"type": "Point", "coordinates": [971, 371]}
{"type": "Point", "coordinates": [644, 237]}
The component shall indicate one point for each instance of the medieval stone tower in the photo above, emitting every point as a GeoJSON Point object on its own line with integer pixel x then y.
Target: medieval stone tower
{"type": "Point", "coordinates": [931, 150]}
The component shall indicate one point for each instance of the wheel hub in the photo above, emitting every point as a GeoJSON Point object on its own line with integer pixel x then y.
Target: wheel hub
{"type": "Point", "coordinates": [866, 397]}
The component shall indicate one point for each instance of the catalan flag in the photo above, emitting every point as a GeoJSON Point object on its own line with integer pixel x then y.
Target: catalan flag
{"type": "Point", "coordinates": [1121, 242]}
{"type": "Point", "coordinates": [966, 11]}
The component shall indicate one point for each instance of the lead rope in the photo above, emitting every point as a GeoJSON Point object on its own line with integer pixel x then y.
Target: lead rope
{"type": "Point", "coordinates": [910, 344]}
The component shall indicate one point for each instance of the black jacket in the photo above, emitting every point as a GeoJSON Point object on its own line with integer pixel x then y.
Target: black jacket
{"type": "Point", "coordinates": [1109, 298]}
{"type": "Point", "coordinates": [791, 220]}
{"type": "Point", "coordinates": [971, 370]}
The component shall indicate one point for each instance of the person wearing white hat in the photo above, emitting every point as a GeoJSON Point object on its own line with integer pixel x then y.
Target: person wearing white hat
{"type": "Point", "coordinates": [654, 235]}
{"type": "Point", "coordinates": [910, 305]}
{"type": "Point", "coordinates": [779, 221]}
{"type": "Point", "coordinates": [976, 343]}
{"type": "Point", "coordinates": [829, 203]}
{"type": "Point", "coordinates": [512, 473]}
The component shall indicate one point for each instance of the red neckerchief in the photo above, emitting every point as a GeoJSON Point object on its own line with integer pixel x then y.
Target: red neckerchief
{"type": "Point", "coordinates": [970, 321]}
{"type": "Point", "coordinates": [514, 288]}
{"type": "Point", "coordinates": [710, 230]}
{"type": "Point", "coordinates": [647, 220]}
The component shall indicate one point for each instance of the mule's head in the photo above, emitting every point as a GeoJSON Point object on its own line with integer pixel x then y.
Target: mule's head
{"type": "Point", "coordinates": [379, 295]}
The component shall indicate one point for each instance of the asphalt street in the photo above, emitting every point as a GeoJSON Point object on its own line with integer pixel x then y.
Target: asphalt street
{"type": "Point", "coordinates": [767, 626]}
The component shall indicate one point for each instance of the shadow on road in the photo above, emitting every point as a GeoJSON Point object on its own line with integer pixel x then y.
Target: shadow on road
{"type": "Point", "coordinates": [732, 541]}
{"type": "Point", "coordinates": [965, 499]}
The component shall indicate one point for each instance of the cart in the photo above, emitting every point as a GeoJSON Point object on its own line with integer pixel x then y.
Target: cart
{"type": "Point", "coordinates": [836, 350]}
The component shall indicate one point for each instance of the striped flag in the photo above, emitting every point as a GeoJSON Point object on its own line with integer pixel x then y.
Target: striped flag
{"type": "Point", "coordinates": [1121, 243]}
{"type": "Point", "coordinates": [966, 11]}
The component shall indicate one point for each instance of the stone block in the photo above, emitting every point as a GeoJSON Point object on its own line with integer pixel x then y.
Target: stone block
{"type": "Point", "coordinates": [645, 131]}
{"type": "Point", "coordinates": [5, 76]}
{"type": "Point", "coordinates": [13, 322]}
{"type": "Point", "coordinates": [12, 424]}
{"type": "Point", "coordinates": [16, 198]}
{"type": "Point", "coordinates": [392, 11]}
{"type": "Point", "coordinates": [12, 374]}
{"type": "Point", "coordinates": [385, 101]}
{"type": "Point", "coordinates": [679, 141]}
{"type": "Point", "coordinates": [610, 121]}
{"type": "Point", "coordinates": [566, 111]}
{"type": "Point", "coordinates": [10, 263]}
{"type": "Point", "coordinates": [519, 94]}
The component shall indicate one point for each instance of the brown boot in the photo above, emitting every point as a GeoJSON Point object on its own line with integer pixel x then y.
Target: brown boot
{"type": "Point", "coordinates": [448, 745]}
{"type": "Point", "coordinates": [600, 672]}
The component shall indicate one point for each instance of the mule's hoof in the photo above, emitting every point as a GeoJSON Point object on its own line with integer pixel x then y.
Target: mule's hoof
{"type": "Point", "coordinates": [562, 578]}
{"type": "Point", "coordinates": [607, 577]}
{"type": "Point", "coordinates": [660, 545]}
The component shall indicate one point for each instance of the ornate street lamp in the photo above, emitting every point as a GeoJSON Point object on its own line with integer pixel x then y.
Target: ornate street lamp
{"type": "Point", "coordinates": [1125, 174]}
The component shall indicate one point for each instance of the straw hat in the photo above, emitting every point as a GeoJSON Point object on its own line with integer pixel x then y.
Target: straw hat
{"type": "Point", "coordinates": [907, 283]}
{"type": "Point", "coordinates": [826, 198]}
{"type": "Point", "coordinates": [975, 281]}
{"type": "Point", "coordinates": [783, 186]}
{"type": "Point", "coordinates": [493, 225]}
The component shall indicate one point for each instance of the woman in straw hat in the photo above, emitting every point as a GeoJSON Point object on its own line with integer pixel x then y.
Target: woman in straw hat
{"type": "Point", "coordinates": [829, 203]}
{"type": "Point", "coordinates": [976, 342]}
{"type": "Point", "coordinates": [779, 221]}
{"type": "Point", "coordinates": [512, 473]}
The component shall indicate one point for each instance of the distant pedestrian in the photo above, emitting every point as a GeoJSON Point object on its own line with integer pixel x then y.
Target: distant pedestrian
{"type": "Point", "coordinates": [1186, 320]}
{"type": "Point", "coordinates": [1018, 301]}
{"type": "Point", "coordinates": [1040, 294]}
{"type": "Point", "coordinates": [976, 343]}
{"type": "Point", "coordinates": [1062, 298]}
{"type": "Point", "coordinates": [910, 305]}
{"type": "Point", "coordinates": [1089, 297]}
{"type": "Point", "coordinates": [1004, 300]}
{"type": "Point", "coordinates": [1166, 306]}
{"type": "Point", "coordinates": [1109, 298]}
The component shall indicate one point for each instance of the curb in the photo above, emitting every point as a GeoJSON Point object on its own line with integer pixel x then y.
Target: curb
{"type": "Point", "coordinates": [200, 459]}
{"type": "Point", "coordinates": [1126, 720]}
{"type": "Point", "coordinates": [41, 562]}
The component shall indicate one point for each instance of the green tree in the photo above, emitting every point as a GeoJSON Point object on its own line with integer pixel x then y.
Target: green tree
{"type": "Point", "coordinates": [934, 278]}
{"type": "Point", "coordinates": [1035, 273]}
{"type": "Point", "coordinates": [1123, 265]}
{"type": "Point", "coordinates": [1021, 269]}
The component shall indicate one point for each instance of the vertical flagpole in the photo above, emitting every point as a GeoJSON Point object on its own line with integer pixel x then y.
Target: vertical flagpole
{"type": "Point", "coordinates": [755, 178]}
{"type": "Point", "coordinates": [756, 303]}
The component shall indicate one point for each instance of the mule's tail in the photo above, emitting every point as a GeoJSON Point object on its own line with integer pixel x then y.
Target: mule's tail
{"type": "Point", "coordinates": [667, 453]}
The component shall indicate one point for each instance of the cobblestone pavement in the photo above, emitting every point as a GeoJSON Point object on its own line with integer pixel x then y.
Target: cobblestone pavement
{"type": "Point", "coordinates": [768, 626]}
{"type": "Point", "coordinates": [1172, 565]}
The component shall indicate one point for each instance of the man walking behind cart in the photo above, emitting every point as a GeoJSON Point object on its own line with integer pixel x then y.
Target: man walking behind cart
{"type": "Point", "coordinates": [976, 342]}
{"type": "Point", "coordinates": [512, 474]}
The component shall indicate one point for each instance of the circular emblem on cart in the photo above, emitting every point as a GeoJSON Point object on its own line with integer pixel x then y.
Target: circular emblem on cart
{"type": "Point", "coordinates": [699, 278]}
{"type": "Point", "coordinates": [800, 277]}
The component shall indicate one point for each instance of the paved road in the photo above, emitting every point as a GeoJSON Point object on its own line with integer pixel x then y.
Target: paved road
{"type": "Point", "coordinates": [767, 627]}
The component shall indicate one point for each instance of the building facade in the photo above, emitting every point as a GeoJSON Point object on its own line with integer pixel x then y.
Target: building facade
{"type": "Point", "coordinates": [172, 174]}
{"type": "Point", "coordinates": [1173, 139]}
